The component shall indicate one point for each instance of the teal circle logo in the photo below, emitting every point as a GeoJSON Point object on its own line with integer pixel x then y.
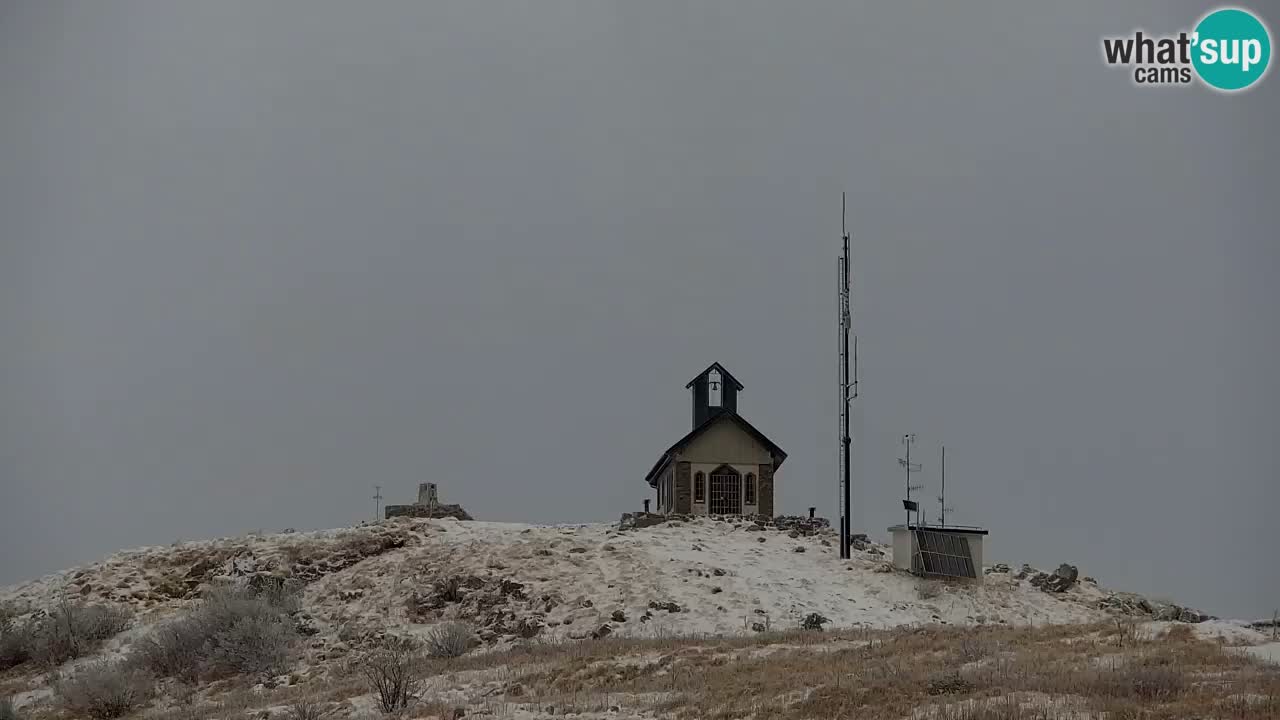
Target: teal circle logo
{"type": "Point", "coordinates": [1232, 49]}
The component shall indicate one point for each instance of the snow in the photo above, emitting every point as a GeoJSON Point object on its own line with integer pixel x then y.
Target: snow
{"type": "Point", "coordinates": [762, 582]}
{"type": "Point", "coordinates": [1269, 652]}
{"type": "Point", "coordinates": [1227, 632]}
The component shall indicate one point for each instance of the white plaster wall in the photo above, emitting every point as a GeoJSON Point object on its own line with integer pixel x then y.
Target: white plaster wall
{"type": "Point", "coordinates": [903, 548]}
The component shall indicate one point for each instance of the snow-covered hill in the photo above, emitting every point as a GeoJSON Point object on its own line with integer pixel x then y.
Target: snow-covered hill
{"type": "Point", "coordinates": [678, 578]}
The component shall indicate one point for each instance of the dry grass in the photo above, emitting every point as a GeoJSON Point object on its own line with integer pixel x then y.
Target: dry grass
{"type": "Point", "coordinates": [900, 673]}
{"type": "Point", "coordinates": [931, 673]}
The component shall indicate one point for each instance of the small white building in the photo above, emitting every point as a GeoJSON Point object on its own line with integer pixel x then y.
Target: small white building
{"type": "Point", "coordinates": [939, 551]}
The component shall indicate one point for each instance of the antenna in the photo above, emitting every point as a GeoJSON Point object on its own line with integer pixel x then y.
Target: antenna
{"type": "Point", "coordinates": [908, 440]}
{"type": "Point", "coordinates": [942, 499]}
{"type": "Point", "coordinates": [377, 502]}
{"type": "Point", "coordinates": [845, 386]}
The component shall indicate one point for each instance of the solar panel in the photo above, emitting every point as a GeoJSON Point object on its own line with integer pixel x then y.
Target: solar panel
{"type": "Point", "coordinates": [942, 554]}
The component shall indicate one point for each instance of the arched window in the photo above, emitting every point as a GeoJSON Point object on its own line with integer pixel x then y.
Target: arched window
{"type": "Point", "coordinates": [699, 487]}
{"type": "Point", "coordinates": [749, 489]}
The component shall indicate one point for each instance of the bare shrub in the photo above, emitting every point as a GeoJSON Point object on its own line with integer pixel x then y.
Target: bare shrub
{"type": "Point", "coordinates": [16, 640]}
{"type": "Point", "coordinates": [949, 684]}
{"type": "Point", "coordinates": [394, 673]}
{"type": "Point", "coordinates": [104, 690]}
{"type": "Point", "coordinates": [308, 710]}
{"type": "Point", "coordinates": [975, 647]}
{"type": "Point", "coordinates": [233, 630]}
{"type": "Point", "coordinates": [175, 649]}
{"type": "Point", "coordinates": [1156, 683]}
{"type": "Point", "coordinates": [449, 640]}
{"type": "Point", "coordinates": [253, 645]}
{"type": "Point", "coordinates": [1126, 632]}
{"type": "Point", "coordinates": [73, 629]}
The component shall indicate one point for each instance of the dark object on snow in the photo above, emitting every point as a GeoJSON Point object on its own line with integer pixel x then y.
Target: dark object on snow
{"type": "Point", "coordinates": [813, 621]}
{"type": "Point", "coordinates": [637, 521]}
{"type": "Point", "coordinates": [802, 526]}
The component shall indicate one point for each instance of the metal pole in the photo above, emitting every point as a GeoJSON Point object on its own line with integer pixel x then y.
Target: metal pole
{"type": "Point", "coordinates": [944, 486]}
{"type": "Point", "coordinates": [908, 466]}
{"type": "Point", "coordinates": [840, 481]}
{"type": "Point", "coordinates": [845, 441]}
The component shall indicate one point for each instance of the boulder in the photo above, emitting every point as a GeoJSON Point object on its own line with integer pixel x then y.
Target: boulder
{"type": "Point", "coordinates": [1061, 579]}
{"type": "Point", "coordinates": [1057, 581]}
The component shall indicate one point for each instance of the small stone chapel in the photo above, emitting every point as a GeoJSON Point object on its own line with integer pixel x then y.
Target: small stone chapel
{"type": "Point", "coordinates": [724, 465]}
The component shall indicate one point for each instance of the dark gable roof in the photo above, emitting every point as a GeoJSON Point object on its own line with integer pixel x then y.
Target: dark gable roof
{"type": "Point", "coordinates": [724, 373]}
{"type": "Point", "coordinates": [774, 450]}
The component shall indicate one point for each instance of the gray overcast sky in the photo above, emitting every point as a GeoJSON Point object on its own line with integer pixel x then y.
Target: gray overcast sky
{"type": "Point", "coordinates": [258, 257]}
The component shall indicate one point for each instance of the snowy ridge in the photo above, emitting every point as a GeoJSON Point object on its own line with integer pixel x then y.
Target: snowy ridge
{"type": "Point", "coordinates": [572, 580]}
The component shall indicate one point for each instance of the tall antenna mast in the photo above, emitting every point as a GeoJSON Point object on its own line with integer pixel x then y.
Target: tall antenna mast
{"type": "Point", "coordinates": [846, 324]}
{"type": "Point", "coordinates": [942, 499]}
{"type": "Point", "coordinates": [910, 439]}
{"type": "Point", "coordinates": [377, 502]}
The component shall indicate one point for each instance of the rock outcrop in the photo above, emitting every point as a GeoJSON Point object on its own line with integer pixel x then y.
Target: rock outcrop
{"type": "Point", "coordinates": [1137, 605]}
{"type": "Point", "coordinates": [1059, 580]}
{"type": "Point", "coordinates": [641, 520]}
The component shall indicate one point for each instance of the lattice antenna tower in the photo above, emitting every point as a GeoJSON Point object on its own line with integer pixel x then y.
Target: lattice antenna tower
{"type": "Point", "coordinates": [848, 386]}
{"type": "Point", "coordinates": [377, 502]}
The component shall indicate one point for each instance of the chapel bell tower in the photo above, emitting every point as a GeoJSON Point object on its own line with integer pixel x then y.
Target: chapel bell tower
{"type": "Point", "coordinates": [714, 391]}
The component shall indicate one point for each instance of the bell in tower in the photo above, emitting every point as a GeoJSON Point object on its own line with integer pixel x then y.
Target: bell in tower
{"type": "Point", "coordinates": [714, 391]}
